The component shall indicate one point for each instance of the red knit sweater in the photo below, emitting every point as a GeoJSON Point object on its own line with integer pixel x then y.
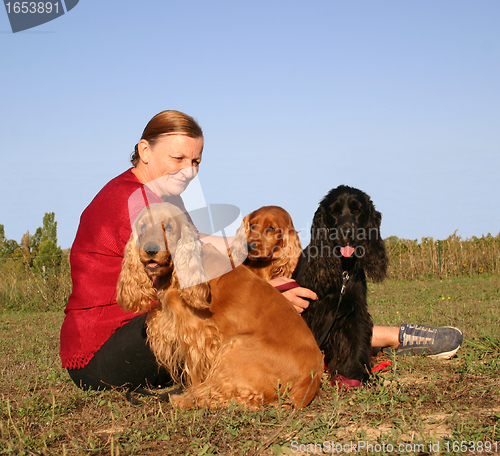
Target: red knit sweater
{"type": "Point", "coordinates": [92, 313]}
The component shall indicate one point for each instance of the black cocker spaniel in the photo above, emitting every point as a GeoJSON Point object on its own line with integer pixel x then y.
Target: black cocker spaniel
{"type": "Point", "coordinates": [345, 248]}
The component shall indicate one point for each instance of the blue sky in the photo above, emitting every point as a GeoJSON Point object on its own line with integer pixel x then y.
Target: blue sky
{"type": "Point", "coordinates": [399, 99]}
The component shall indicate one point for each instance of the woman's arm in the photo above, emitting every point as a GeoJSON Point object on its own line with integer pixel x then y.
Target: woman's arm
{"type": "Point", "coordinates": [219, 242]}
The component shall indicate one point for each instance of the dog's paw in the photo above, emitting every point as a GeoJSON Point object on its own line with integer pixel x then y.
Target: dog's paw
{"type": "Point", "coordinates": [181, 401]}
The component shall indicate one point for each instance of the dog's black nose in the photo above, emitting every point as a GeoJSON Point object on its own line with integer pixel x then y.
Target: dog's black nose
{"type": "Point", "coordinates": [347, 231]}
{"type": "Point", "coordinates": [151, 248]}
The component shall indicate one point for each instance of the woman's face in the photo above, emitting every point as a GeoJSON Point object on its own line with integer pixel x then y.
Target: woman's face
{"type": "Point", "coordinates": [174, 158]}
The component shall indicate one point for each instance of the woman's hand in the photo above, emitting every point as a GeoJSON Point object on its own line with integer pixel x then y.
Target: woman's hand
{"type": "Point", "coordinates": [295, 295]}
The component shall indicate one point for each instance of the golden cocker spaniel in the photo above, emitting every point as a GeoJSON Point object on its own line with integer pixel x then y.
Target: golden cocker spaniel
{"type": "Point", "coordinates": [270, 241]}
{"type": "Point", "coordinates": [231, 339]}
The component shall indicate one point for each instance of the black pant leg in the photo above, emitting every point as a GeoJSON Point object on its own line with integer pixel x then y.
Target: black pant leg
{"type": "Point", "coordinates": [124, 360]}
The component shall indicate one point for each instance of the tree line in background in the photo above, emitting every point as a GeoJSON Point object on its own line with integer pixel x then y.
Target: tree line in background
{"type": "Point", "coordinates": [39, 250]}
{"type": "Point", "coordinates": [35, 274]}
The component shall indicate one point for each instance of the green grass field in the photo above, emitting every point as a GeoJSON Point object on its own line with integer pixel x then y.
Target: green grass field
{"type": "Point", "coordinates": [418, 406]}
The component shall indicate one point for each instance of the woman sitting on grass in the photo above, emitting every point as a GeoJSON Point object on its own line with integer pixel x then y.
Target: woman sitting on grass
{"type": "Point", "coordinates": [102, 346]}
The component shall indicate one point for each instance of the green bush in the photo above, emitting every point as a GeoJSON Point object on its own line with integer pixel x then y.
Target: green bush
{"type": "Point", "coordinates": [35, 274]}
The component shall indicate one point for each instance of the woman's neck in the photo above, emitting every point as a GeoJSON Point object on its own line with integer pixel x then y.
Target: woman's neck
{"type": "Point", "coordinates": [140, 174]}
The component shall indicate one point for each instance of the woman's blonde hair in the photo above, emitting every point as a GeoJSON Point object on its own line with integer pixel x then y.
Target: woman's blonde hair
{"type": "Point", "coordinates": [168, 122]}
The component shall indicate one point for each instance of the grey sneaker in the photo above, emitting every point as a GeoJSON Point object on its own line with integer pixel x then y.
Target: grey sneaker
{"type": "Point", "coordinates": [436, 342]}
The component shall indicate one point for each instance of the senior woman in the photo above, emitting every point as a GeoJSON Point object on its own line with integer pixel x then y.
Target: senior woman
{"type": "Point", "coordinates": [103, 346]}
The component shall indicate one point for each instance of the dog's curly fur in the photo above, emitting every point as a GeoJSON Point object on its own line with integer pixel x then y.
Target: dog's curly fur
{"type": "Point", "coordinates": [345, 217]}
{"type": "Point", "coordinates": [270, 241]}
{"type": "Point", "coordinates": [231, 339]}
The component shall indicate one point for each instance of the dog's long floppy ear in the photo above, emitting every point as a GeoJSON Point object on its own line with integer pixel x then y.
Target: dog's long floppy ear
{"type": "Point", "coordinates": [292, 249]}
{"type": "Point", "coordinates": [324, 265]}
{"type": "Point", "coordinates": [239, 245]}
{"type": "Point", "coordinates": [189, 276]}
{"type": "Point", "coordinates": [135, 289]}
{"type": "Point", "coordinates": [375, 260]}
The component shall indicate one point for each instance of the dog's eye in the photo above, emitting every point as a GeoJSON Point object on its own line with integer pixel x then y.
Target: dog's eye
{"type": "Point", "coordinates": [336, 210]}
{"type": "Point", "coordinates": [142, 228]}
{"type": "Point", "coordinates": [356, 211]}
{"type": "Point", "coordinates": [168, 228]}
{"type": "Point", "coordinates": [270, 229]}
